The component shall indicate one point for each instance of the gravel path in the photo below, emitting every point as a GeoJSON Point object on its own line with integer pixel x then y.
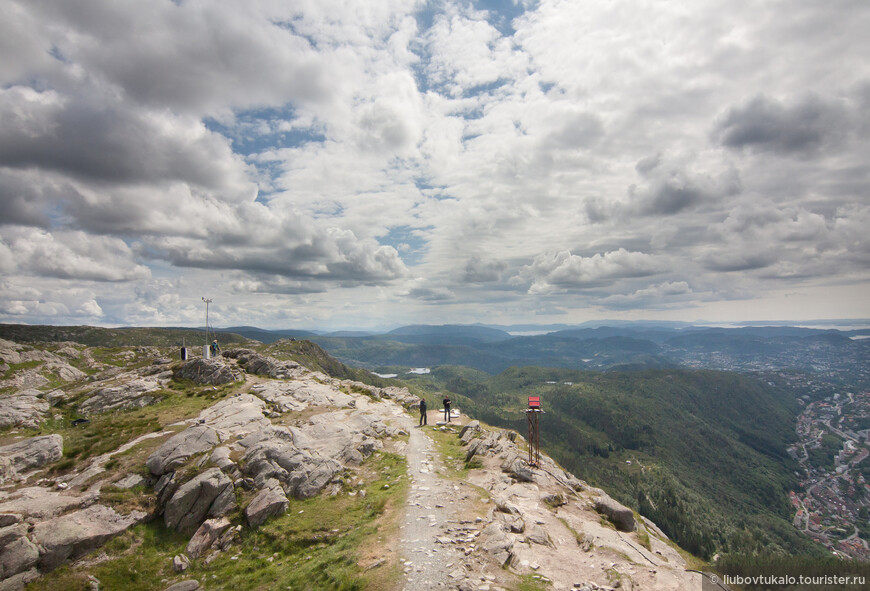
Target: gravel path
{"type": "Point", "coordinates": [432, 559]}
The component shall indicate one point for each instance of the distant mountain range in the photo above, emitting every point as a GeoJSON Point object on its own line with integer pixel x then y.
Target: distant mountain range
{"type": "Point", "coordinates": [623, 346]}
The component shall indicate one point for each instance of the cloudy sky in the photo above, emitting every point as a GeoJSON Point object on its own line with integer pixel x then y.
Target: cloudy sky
{"type": "Point", "coordinates": [336, 164]}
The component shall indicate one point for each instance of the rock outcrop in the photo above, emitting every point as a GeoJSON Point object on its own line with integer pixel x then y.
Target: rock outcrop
{"type": "Point", "coordinates": [206, 371]}
{"type": "Point", "coordinates": [74, 534]}
{"type": "Point", "coordinates": [257, 364]}
{"type": "Point", "coordinates": [620, 515]}
{"type": "Point", "coordinates": [25, 408]}
{"type": "Point", "coordinates": [272, 454]}
{"type": "Point", "coordinates": [174, 452]}
{"type": "Point", "coordinates": [126, 394]}
{"type": "Point", "coordinates": [29, 454]}
{"type": "Point", "coordinates": [270, 502]}
{"type": "Point", "coordinates": [209, 494]}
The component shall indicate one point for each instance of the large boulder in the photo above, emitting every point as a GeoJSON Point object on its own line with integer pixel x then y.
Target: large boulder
{"type": "Point", "coordinates": [207, 534]}
{"type": "Point", "coordinates": [469, 431]}
{"type": "Point", "coordinates": [270, 502]}
{"type": "Point", "coordinates": [174, 452]}
{"type": "Point", "coordinates": [206, 371]}
{"type": "Point", "coordinates": [498, 543]}
{"type": "Point", "coordinates": [29, 454]}
{"type": "Point", "coordinates": [75, 534]}
{"type": "Point", "coordinates": [620, 515]}
{"type": "Point", "coordinates": [272, 454]}
{"type": "Point", "coordinates": [257, 364]}
{"type": "Point", "coordinates": [17, 553]}
{"type": "Point", "coordinates": [129, 394]}
{"type": "Point", "coordinates": [25, 408]}
{"type": "Point", "coordinates": [209, 494]}
{"type": "Point", "coordinates": [518, 467]}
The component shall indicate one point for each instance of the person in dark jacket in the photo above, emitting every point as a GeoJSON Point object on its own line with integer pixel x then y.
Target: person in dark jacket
{"type": "Point", "coordinates": [447, 409]}
{"type": "Point", "coordinates": [423, 418]}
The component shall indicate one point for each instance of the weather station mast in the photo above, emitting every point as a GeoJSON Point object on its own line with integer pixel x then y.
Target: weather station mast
{"type": "Point", "coordinates": [206, 349]}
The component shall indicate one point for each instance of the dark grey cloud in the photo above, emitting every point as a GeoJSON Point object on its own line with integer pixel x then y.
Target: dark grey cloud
{"type": "Point", "coordinates": [800, 127]}
{"type": "Point", "coordinates": [730, 261]}
{"type": "Point", "coordinates": [22, 201]}
{"type": "Point", "coordinates": [332, 255]}
{"type": "Point", "coordinates": [478, 270]}
{"type": "Point", "coordinates": [187, 56]}
{"type": "Point", "coordinates": [107, 142]}
{"type": "Point", "coordinates": [670, 190]}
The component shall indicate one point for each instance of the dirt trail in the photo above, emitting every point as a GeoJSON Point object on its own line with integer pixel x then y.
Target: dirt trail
{"type": "Point", "coordinates": [431, 556]}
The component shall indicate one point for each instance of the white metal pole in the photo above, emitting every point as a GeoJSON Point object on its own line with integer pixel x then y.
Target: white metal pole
{"type": "Point", "coordinates": [205, 349]}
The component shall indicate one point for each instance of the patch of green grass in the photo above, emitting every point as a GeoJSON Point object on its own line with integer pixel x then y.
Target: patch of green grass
{"type": "Point", "coordinates": [139, 559]}
{"type": "Point", "coordinates": [106, 432]}
{"type": "Point", "coordinates": [316, 544]}
{"type": "Point", "coordinates": [452, 451]}
{"type": "Point", "coordinates": [533, 583]}
{"type": "Point", "coordinates": [642, 533]}
{"type": "Point", "coordinates": [16, 367]}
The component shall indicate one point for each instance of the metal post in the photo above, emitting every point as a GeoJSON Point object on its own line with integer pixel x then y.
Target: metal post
{"type": "Point", "coordinates": [206, 349]}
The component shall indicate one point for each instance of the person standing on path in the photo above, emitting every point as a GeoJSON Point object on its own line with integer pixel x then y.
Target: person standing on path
{"type": "Point", "coordinates": [423, 418]}
{"type": "Point", "coordinates": [447, 409]}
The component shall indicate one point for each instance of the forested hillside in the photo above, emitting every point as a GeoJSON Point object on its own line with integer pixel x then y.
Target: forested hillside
{"type": "Point", "coordinates": [702, 453]}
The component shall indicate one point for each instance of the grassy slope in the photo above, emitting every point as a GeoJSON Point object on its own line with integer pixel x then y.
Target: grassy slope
{"type": "Point", "coordinates": [322, 543]}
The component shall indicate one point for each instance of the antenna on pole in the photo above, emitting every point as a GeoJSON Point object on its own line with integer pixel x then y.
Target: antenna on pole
{"type": "Point", "coordinates": [205, 349]}
{"type": "Point", "coordinates": [534, 434]}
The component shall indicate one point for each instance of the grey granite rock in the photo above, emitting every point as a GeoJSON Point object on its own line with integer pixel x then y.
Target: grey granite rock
{"type": "Point", "coordinates": [25, 408]}
{"type": "Point", "coordinates": [29, 454]}
{"type": "Point", "coordinates": [621, 516]}
{"type": "Point", "coordinates": [206, 535]}
{"type": "Point", "coordinates": [174, 452]}
{"type": "Point", "coordinates": [209, 494]}
{"type": "Point", "coordinates": [270, 502]}
{"type": "Point", "coordinates": [75, 534]}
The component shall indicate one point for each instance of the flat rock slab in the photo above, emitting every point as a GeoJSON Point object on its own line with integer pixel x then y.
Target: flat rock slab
{"type": "Point", "coordinates": [174, 452]}
{"type": "Point", "coordinates": [278, 394]}
{"type": "Point", "coordinates": [42, 503]}
{"type": "Point", "coordinates": [29, 454]}
{"type": "Point", "coordinates": [128, 394]}
{"type": "Point", "coordinates": [75, 534]}
{"type": "Point", "coordinates": [316, 394]}
{"type": "Point", "coordinates": [236, 416]}
{"type": "Point", "coordinates": [189, 585]}
{"type": "Point", "coordinates": [25, 408]}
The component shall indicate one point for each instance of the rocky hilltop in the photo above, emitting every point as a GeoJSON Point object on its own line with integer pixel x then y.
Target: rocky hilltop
{"type": "Point", "coordinates": [268, 468]}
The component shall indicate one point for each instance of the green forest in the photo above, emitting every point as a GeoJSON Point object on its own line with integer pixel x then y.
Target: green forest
{"type": "Point", "coordinates": [701, 453]}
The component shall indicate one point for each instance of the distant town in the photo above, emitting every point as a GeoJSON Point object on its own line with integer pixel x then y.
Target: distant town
{"type": "Point", "coordinates": [833, 385]}
{"type": "Point", "coordinates": [834, 505]}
